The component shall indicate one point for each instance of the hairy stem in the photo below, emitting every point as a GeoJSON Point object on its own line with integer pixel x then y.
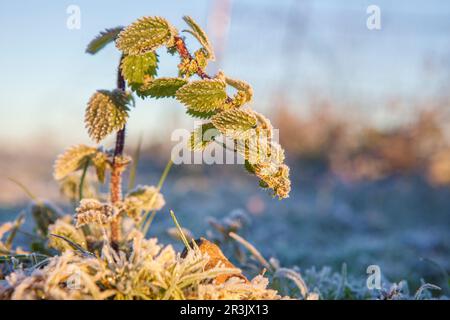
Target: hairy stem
{"type": "Point", "coordinates": [184, 53]}
{"type": "Point", "coordinates": [117, 169]}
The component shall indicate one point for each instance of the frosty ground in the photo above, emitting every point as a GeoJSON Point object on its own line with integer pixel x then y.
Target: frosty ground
{"type": "Point", "coordinates": [399, 223]}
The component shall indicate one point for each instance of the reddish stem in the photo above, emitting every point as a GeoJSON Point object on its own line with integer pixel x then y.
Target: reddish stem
{"type": "Point", "coordinates": [117, 169]}
{"type": "Point", "coordinates": [184, 54]}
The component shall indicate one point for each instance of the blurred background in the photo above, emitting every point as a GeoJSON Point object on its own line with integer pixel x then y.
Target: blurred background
{"type": "Point", "coordinates": [363, 115]}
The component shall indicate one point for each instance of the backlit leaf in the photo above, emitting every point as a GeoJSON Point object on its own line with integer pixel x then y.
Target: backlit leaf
{"type": "Point", "coordinates": [137, 69]}
{"type": "Point", "coordinates": [200, 35]}
{"type": "Point", "coordinates": [235, 123]}
{"type": "Point", "coordinates": [203, 95]}
{"type": "Point", "coordinates": [73, 159]}
{"type": "Point", "coordinates": [162, 87]}
{"type": "Point", "coordinates": [144, 35]}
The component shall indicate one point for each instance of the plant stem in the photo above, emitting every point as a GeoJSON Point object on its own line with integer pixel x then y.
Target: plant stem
{"type": "Point", "coordinates": [83, 177]}
{"type": "Point", "coordinates": [184, 54]}
{"type": "Point", "coordinates": [117, 169]}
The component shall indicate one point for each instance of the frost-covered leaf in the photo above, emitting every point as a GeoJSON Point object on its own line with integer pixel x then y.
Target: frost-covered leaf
{"type": "Point", "coordinates": [144, 35]}
{"type": "Point", "coordinates": [245, 91]}
{"type": "Point", "coordinates": [264, 125]}
{"type": "Point", "coordinates": [63, 228]}
{"type": "Point", "coordinates": [143, 198]}
{"type": "Point", "coordinates": [76, 157]}
{"type": "Point", "coordinates": [70, 186]}
{"type": "Point", "coordinates": [265, 159]}
{"type": "Point", "coordinates": [107, 111]}
{"type": "Point", "coordinates": [103, 39]}
{"type": "Point", "coordinates": [200, 35]}
{"type": "Point", "coordinates": [238, 84]}
{"type": "Point", "coordinates": [93, 211]}
{"type": "Point", "coordinates": [260, 149]}
{"type": "Point", "coordinates": [200, 114]}
{"type": "Point", "coordinates": [44, 213]}
{"type": "Point", "coordinates": [203, 95]}
{"type": "Point", "coordinates": [137, 69]}
{"type": "Point", "coordinates": [235, 123]}
{"type": "Point", "coordinates": [101, 162]}
{"type": "Point", "coordinates": [162, 87]}
{"type": "Point", "coordinates": [279, 181]}
{"type": "Point", "coordinates": [73, 159]}
{"type": "Point", "coordinates": [202, 136]}
{"type": "Point", "coordinates": [249, 167]}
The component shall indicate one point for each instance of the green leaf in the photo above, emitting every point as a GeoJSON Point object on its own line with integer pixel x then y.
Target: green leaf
{"type": "Point", "coordinates": [101, 163]}
{"type": "Point", "coordinates": [203, 95]}
{"type": "Point", "coordinates": [137, 69]}
{"type": "Point", "coordinates": [202, 136]}
{"type": "Point", "coordinates": [263, 184]}
{"type": "Point", "coordinates": [107, 111]}
{"type": "Point", "coordinates": [200, 35]}
{"type": "Point", "coordinates": [122, 99]}
{"type": "Point", "coordinates": [235, 123]}
{"type": "Point", "coordinates": [146, 34]}
{"type": "Point", "coordinates": [44, 215]}
{"type": "Point", "coordinates": [200, 115]}
{"type": "Point", "coordinates": [249, 167]}
{"type": "Point", "coordinates": [103, 39]}
{"type": "Point", "coordinates": [162, 87]}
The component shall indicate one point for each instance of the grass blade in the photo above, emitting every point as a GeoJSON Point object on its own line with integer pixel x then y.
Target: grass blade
{"type": "Point", "coordinates": [133, 170]}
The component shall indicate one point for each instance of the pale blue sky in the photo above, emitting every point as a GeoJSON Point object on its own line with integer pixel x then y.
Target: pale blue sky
{"type": "Point", "coordinates": [320, 46]}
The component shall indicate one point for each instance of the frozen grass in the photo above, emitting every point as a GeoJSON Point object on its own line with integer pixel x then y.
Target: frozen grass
{"type": "Point", "coordinates": [147, 270]}
{"type": "Point", "coordinates": [142, 269]}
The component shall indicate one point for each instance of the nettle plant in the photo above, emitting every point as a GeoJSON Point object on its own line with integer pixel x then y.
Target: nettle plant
{"type": "Point", "coordinates": [204, 96]}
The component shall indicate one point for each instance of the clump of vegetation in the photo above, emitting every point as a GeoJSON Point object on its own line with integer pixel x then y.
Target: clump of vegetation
{"type": "Point", "coordinates": [100, 252]}
{"type": "Point", "coordinates": [146, 270]}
